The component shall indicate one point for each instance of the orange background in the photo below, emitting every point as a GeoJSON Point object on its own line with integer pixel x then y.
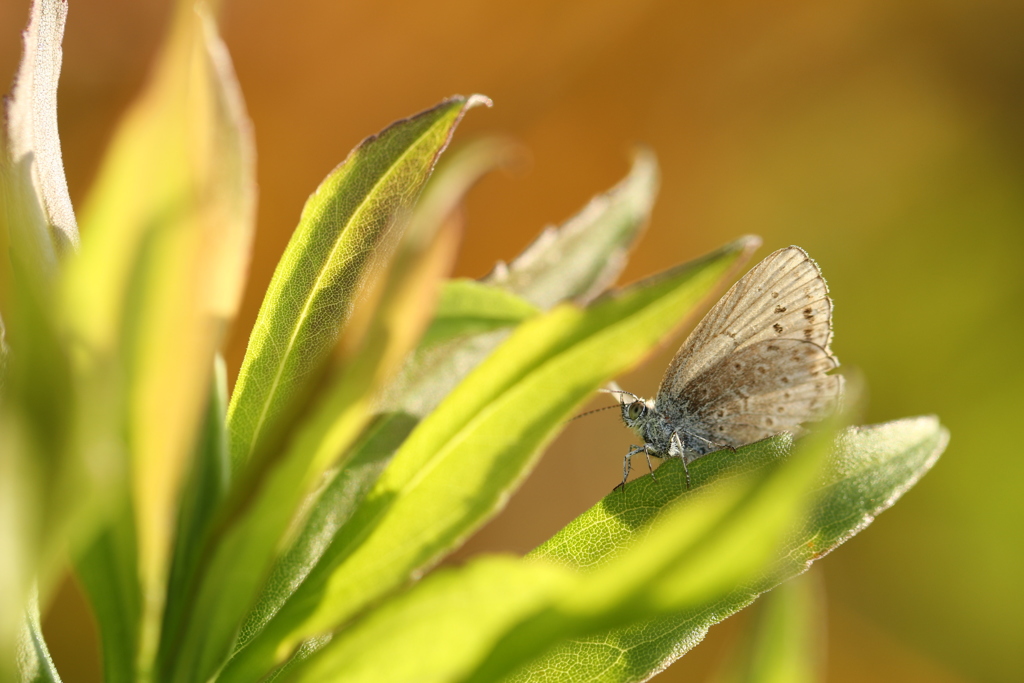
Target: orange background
{"type": "Point", "coordinates": [884, 137]}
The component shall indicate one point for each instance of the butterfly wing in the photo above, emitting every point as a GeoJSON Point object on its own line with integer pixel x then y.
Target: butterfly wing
{"type": "Point", "coordinates": [756, 363]}
{"type": "Point", "coordinates": [761, 389]}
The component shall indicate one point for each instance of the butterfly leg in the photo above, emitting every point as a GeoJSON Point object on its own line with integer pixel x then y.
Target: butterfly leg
{"type": "Point", "coordinates": [647, 454]}
{"type": "Point", "coordinates": [714, 444]}
{"type": "Point", "coordinates": [626, 466]}
{"type": "Point", "coordinates": [676, 450]}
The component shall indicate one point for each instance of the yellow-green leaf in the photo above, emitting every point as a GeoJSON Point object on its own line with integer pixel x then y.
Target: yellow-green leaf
{"type": "Point", "coordinates": [583, 256]}
{"type": "Point", "coordinates": [785, 643]}
{"type": "Point", "coordinates": [396, 308]}
{"type": "Point", "coordinates": [471, 307]}
{"type": "Point", "coordinates": [348, 226]}
{"type": "Point", "coordinates": [507, 612]}
{"type": "Point", "coordinates": [867, 472]}
{"type": "Point", "coordinates": [655, 562]}
{"type": "Point", "coordinates": [169, 224]}
{"type": "Point", "coordinates": [44, 513]}
{"type": "Point", "coordinates": [576, 262]}
{"type": "Point", "coordinates": [352, 477]}
{"type": "Point", "coordinates": [34, 660]}
{"type": "Point", "coordinates": [456, 469]}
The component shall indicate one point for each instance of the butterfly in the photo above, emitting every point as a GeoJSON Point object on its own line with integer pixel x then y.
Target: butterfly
{"type": "Point", "coordinates": [755, 366]}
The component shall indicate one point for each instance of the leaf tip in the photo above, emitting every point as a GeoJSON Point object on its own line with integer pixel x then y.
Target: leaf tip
{"type": "Point", "coordinates": [748, 244]}
{"type": "Point", "coordinates": [477, 100]}
{"type": "Point", "coordinates": [644, 157]}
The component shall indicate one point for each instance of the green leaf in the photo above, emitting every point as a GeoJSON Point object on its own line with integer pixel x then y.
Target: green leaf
{"type": "Point", "coordinates": [398, 308]}
{"type": "Point", "coordinates": [34, 661]}
{"type": "Point", "coordinates": [581, 258]}
{"type": "Point", "coordinates": [674, 556]}
{"type": "Point", "coordinates": [169, 223]}
{"type": "Point", "coordinates": [47, 514]}
{"type": "Point", "coordinates": [108, 570]}
{"type": "Point", "coordinates": [869, 470]}
{"type": "Point", "coordinates": [786, 643]}
{"type": "Point", "coordinates": [348, 226]}
{"type": "Point", "coordinates": [596, 240]}
{"type": "Point", "coordinates": [437, 366]}
{"type": "Point", "coordinates": [469, 608]}
{"type": "Point", "coordinates": [575, 261]}
{"type": "Point", "coordinates": [691, 555]}
{"type": "Point", "coordinates": [18, 526]}
{"type": "Point", "coordinates": [458, 466]}
{"type": "Point", "coordinates": [54, 495]}
{"type": "Point", "coordinates": [347, 485]}
{"type": "Point", "coordinates": [55, 512]}
{"type": "Point", "coordinates": [305, 651]}
{"type": "Point", "coordinates": [203, 493]}
{"type": "Point", "coordinates": [704, 545]}
{"type": "Point", "coordinates": [182, 156]}
{"type": "Point", "coordinates": [470, 307]}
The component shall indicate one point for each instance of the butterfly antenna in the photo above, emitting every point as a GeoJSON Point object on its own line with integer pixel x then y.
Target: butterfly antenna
{"type": "Point", "coordinates": [620, 391]}
{"type": "Point", "coordinates": [589, 412]}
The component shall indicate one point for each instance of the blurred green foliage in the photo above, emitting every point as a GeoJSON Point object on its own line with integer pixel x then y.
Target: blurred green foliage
{"type": "Point", "coordinates": [280, 529]}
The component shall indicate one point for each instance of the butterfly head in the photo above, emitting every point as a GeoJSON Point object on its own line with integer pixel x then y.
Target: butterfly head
{"type": "Point", "coordinates": [635, 410]}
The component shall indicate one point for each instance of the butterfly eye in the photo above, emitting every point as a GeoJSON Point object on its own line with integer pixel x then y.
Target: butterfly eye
{"type": "Point", "coordinates": [635, 409]}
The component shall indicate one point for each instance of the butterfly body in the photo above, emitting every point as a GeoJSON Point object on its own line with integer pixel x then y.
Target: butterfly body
{"type": "Point", "coordinates": [657, 428]}
{"type": "Point", "coordinates": [756, 365]}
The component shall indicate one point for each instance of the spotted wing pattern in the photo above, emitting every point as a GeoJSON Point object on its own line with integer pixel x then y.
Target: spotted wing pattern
{"type": "Point", "coordinates": [756, 364]}
{"type": "Point", "coordinates": [762, 389]}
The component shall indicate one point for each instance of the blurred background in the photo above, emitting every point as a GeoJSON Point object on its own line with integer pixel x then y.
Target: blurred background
{"type": "Point", "coordinates": [884, 137]}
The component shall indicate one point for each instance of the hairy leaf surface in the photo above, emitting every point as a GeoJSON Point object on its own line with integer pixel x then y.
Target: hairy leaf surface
{"type": "Point", "coordinates": [458, 466]}
{"type": "Point", "coordinates": [44, 227]}
{"type": "Point", "coordinates": [397, 308]}
{"type": "Point", "coordinates": [704, 545]}
{"type": "Point", "coordinates": [675, 560]}
{"type": "Point", "coordinates": [348, 227]}
{"type": "Point", "coordinates": [868, 471]}
{"type": "Point", "coordinates": [348, 480]}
